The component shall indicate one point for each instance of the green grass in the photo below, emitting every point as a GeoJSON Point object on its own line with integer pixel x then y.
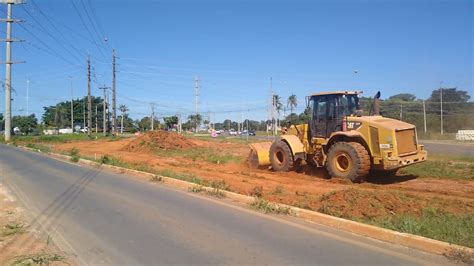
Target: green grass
{"type": "Point", "coordinates": [199, 154]}
{"type": "Point", "coordinates": [39, 147]}
{"type": "Point", "coordinates": [74, 153]}
{"type": "Point", "coordinates": [434, 224]}
{"type": "Point", "coordinates": [446, 168]}
{"type": "Point", "coordinates": [266, 207]}
{"type": "Point", "coordinates": [61, 138]}
{"type": "Point", "coordinates": [181, 176]}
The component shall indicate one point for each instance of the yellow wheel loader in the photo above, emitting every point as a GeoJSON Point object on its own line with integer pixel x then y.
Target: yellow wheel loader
{"type": "Point", "coordinates": [339, 138]}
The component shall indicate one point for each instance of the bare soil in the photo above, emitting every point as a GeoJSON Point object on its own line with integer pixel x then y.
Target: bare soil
{"type": "Point", "coordinates": [309, 188]}
{"type": "Point", "coordinates": [18, 241]}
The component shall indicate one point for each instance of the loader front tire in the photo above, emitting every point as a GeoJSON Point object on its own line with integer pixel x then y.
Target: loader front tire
{"type": "Point", "coordinates": [281, 157]}
{"type": "Point", "coordinates": [348, 160]}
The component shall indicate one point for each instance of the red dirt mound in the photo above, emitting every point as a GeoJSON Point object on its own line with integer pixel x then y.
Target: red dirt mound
{"type": "Point", "coordinates": [161, 140]}
{"type": "Point", "coordinates": [367, 204]}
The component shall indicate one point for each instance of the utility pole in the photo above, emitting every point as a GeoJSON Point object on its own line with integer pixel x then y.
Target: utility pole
{"type": "Point", "coordinates": [196, 101]}
{"type": "Point", "coordinates": [8, 65]}
{"type": "Point", "coordinates": [84, 112]}
{"type": "Point", "coordinates": [96, 122]}
{"type": "Point", "coordinates": [152, 116]}
{"type": "Point", "coordinates": [89, 99]}
{"type": "Point", "coordinates": [104, 111]}
{"type": "Point", "coordinates": [27, 96]}
{"type": "Point", "coordinates": [114, 108]}
{"type": "Point", "coordinates": [441, 102]}
{"type": "Point", "coordinates": [179, 122]}
{"type": "Point", "coordinates": [72, 107]}
{"type": "Point", "coordinates": [424, 114]}
{"type": "Point", "coordinates": [401, 112]}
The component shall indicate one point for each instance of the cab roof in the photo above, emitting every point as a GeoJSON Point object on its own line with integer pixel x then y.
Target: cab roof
{"type": "Point", "coordinates": [336, 92]}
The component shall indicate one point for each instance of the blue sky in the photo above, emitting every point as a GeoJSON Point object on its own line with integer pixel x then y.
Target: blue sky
{"type": "Point", "coordinates": [235, 47]}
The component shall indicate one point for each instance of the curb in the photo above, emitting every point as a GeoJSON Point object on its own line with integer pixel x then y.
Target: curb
{"type": "Point", "coordinates": [403, 239]}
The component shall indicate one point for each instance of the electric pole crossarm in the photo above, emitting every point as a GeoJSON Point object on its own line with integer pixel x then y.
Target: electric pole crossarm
{"type": "Point", "coordinates": [11, 40]}
{"type": "Point", "coordinates": [12, 62]}
{"type": "Point", "coordinates": [11, 20]}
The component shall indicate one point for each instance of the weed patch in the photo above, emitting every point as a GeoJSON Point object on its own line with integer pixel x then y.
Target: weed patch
{"type": "Point", "coordinates": [11, 229]}
{"type": "Point", "coordinates": [38, 147]}
{"type": "Point", "coordinates": [278, 190]}
{"type": "Point", "coordinates": [74, 153]}
{"type": "Point", "coordinates": [37, 259]}
{"type": "Point", "coordinates": [175, 175]}
{"type": "Point", "coordinates": [460, 256]}
{"type": "Point", "coordinates": [196, 189]}
{"type": "Point", "coordinates": [266, 207]}
{"type": "Point", "coordinates": [156, 179]}
{"type": "Point", "coordinates": [256, 191]}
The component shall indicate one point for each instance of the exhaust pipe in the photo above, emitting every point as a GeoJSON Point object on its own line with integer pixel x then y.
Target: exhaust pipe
{"type": "Point", "coordinates": [377, 103]}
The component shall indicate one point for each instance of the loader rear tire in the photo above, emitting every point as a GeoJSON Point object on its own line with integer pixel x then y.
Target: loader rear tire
{"type": "Point", "coordinates": [348, 160]}
{"type": "Point", "coordinates": [281, 157]}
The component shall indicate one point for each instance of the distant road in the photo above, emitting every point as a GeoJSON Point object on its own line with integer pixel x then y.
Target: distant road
{"type": "Point", "coordinates": [439, 148]}
{"type": "Point", "coordinates": [107, 218]}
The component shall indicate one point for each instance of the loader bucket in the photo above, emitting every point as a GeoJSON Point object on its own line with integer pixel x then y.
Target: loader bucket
{"type": "Point", "coordinates": [259, 155]}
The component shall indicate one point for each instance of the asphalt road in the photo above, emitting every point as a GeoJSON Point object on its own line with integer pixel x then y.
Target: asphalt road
{"type": "Point", "coordinates": [107, 218]}
{"type": "Point", "coordinates": [439, 148]}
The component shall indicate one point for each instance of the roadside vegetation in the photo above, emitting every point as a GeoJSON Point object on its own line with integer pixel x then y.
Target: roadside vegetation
{"type": "Point", "coordinates": [266, 207]}
{"type": "Point", "coordinates": [198, 154]}
{"type": "Point", "coordinates": [37, 259]}
{"type": "Point", "coordinates": [11, 229]}
{"type": "Point", "coordinates": [451, 221]}
{"type": "Point", "coordinates": [443, 168]}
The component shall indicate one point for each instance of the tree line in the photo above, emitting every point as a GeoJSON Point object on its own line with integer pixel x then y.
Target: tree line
{"type": "Point", "coordinates": [457, 114]}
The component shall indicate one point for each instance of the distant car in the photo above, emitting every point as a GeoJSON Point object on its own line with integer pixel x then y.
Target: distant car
{"type": "Point", "coordinates": [233, 133]}
{"type": "Point", "coordinates": [83, 130]}
{"type": "Point", "coordinates": [248, 133]}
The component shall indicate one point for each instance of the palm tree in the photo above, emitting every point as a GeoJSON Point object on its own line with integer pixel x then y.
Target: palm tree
{"type": "Point", "coordinates": [196, 118]}
{"type": "Point", "coordinates": [123, 109]}
{"type": "Point", "coordinates": [292, 103]}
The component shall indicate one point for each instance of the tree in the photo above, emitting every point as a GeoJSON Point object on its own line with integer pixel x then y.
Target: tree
{"type": "Point", "coordinates": [277, 102]}
{"type": "Point", "coordinates": [292, 103]}
{"type": "Point", "coordinates": [26, 124]}
{"type": "Point", "coordinates": [59, 115]}
{"type": "Point", "coordinates": [196, 119]}
{"type": "Point", "coordinates": [406, 97]}
{"type": "Point", "coordinates": [123, 109]}
{"type": "Point", "coordinates": [144, 124]}
{"type": "Point", "coordinates": [170, 121]}
{"type": "Point", "coordinates": [450, 95]}
{"type": "Point", "coordinates": [227, 124]}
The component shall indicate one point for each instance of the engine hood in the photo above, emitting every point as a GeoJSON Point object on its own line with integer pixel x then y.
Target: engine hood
{"type": "Point", "coordinates": [380, 121]}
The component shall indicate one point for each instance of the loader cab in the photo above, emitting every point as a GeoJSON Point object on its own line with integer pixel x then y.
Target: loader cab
{"type": "Point", "coordinates": [328, 111]}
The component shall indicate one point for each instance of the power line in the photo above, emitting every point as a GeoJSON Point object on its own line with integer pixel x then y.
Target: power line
{"type": "Point", "coordinates": [87, 28]}
{"type": "Point", "coordinates": [59, 41]}
{"type": "Point", "coordinates": [92, 23]}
